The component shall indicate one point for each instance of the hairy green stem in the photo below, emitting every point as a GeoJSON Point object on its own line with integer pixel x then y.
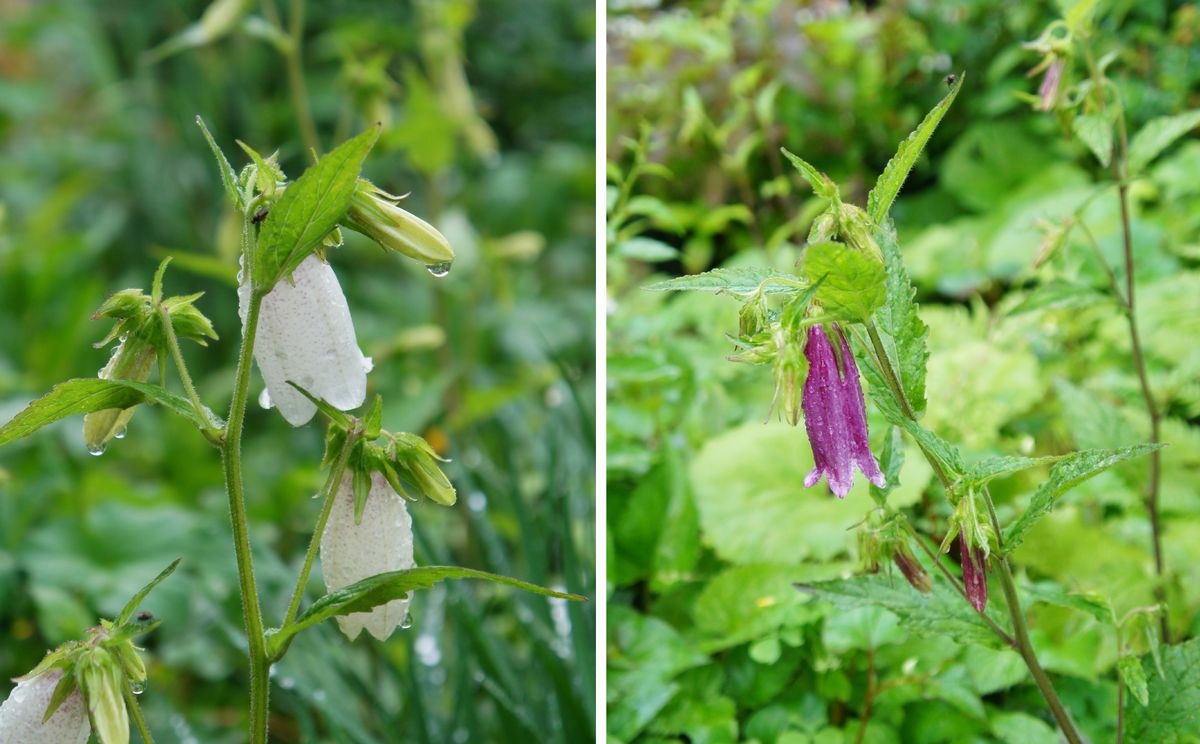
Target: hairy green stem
{"type": "Point", "coordinates": [1020, 633]}
{"type": "Point", "coordinates": [181, 367]}
{"type": "Point", "coordinates": [329, 491]}
{"type": "Point", "coordinates": [135, 712]}
{"type": "Point", "coordinates": [231, 459]}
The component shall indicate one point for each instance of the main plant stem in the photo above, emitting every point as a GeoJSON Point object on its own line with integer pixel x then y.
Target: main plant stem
{"type": "Point", "coordinates": [1020, 637]}
{"type": "Point", "coordinates": [1139, 360]}
{"type": "Point", "coordinates": [1119, 167]}
{"type": "Point", "coordinates": [231, 459]}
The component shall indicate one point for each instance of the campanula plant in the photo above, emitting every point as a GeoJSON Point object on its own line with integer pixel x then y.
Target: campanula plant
{"type": "Point", "coordinates": [296, 327]}
{"type": "Point", "coordinates": [851, 307]}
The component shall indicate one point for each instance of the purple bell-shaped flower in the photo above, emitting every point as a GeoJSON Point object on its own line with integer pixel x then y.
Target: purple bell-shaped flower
{"type": "Point", "coordinates": [835, 416]}
{"type": "Point", "coordinates": [974, 573]}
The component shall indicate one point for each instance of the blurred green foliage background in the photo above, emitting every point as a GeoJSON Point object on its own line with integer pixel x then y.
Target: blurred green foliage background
{"type": "Point", "coordinates": [708, 524]}
{"type": "Point", "coordinates": [488, 113]}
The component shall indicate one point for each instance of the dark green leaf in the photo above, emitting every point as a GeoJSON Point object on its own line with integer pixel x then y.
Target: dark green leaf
{"type": "Point", "coordinates": [339, 418]}
{"type": "Point", "coordinates": [1068, 473]}
{"type": "Point", "coordinates": [1133, 674]}
{"type": "Point", "coordinates": [941, 613]}
{"type": "Point", "coordinates": [1096, 132]}
{"type": "Point", "coordinates": [879, 201]}
{"type": "Point", "coordinates": [904, 333]}
{"type": "Point", "coordinates": [311, 206]}
{"type": "Point", "coordinates": [382, 588]}
{"type": "Point", "coordinates": [1173, 714]}
{"type": "Point", "coordinates": [1157, 135]}
{"type": "Point", "coordinates": [735, 281]}
{"type": "Point", "coordinates": [228, 178]}
{"type": "Point", "coordinates": [852, 282]}
{"type": "Point", "coordinates": [92, 394]}
{"type": "Point", "coordinates": [891, 459]}
{"type": "Point", "coordinates": [1002, 466]}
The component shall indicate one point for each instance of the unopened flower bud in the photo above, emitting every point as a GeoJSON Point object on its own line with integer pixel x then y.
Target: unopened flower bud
{"type": "Point", "coordinates": [131, 662]}
{"type": "Point", "coordinates": [376, 214]}
{"type": "Point", "coordinates": [22, 714]}
{"type": "Point", "coordinates": [974, 573]}
{"type": "Point", "coordinates": [418, 462]}
{"type": "Point", "coordinates": [98, 673]}
{"type": "Point", "coordinates": [132, 359]}
{"type": "Point", "coordinates": [354, 550]}
{"type": "Point", "coordinates": [913, 571]}
{"type": "Point", "coordinates": [857, 230]}
{"type": "Point", "coordinates": [788, 371]}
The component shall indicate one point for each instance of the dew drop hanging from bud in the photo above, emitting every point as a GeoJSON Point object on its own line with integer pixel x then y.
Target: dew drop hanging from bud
{"type": "Point", "coordinates": [439, 269]}
{"type": "Point", "coordinates": [95, 450]}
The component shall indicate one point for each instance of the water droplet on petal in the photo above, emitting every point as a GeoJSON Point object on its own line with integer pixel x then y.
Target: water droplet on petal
{"type": "Point", "coordinates": [439, 269]}
{"type": "Point", "coordinates": [407, 623]}
{"type": "Point", "coordinates": [97, 449]}
{"type": "Point", "coordinates": [264, 398]}
{"type": "Point", "coordinates": [119, 433]}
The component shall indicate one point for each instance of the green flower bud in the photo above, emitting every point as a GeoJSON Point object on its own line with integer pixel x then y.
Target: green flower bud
{"type": "Point", "coordinates": [131, 662]}
{"type": "Point", "coordinates": [374, 213]}
{"type": "Point", "coordinates": [856, 229]}
{"type": "Point", "coordinates": [132, 359]}
{"type": "Point", "coordinates": [415, 461]}
{"type": "Point", "coordinates": [98, 673]}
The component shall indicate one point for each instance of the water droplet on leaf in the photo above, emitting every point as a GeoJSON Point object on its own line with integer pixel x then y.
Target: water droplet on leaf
{"type": "Point", "coordinates": [97, 449]}
{"type": "Point", "coordinates": [439, 269]}
{"type": "Point", "coordinates": [119, 433]}
{"type": "Point", "coordinates": [137, 688]}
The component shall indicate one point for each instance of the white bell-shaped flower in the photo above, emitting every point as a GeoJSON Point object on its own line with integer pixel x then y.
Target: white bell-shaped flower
{"type": "Point", "coordinates": [382, 541]}
{"type": "Point", "coordinates": [21, 714]}
{"type": "Point", "coordinates": [306, 335]}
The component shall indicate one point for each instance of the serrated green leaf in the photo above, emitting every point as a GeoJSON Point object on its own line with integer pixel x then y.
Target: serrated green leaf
{"type": "Point", "coordinates": [822, 186]}
{"type": "Point", "coordinates": [891, 460]}
{"type": "Point", "coordinates": [1134, 676]}
{"type": "Point", "coordinates": [1068, 473]}
{"type": "Point", "coordinates": [311, 206]}
{"type": "Point", "coordinates": [1172, 715]}
{"type": "Point", "coordinates": [879, 201]}
{"type": "Point", "coordinates": [940, 613]}
{"type": "Point", "coordinates": [904, 333]}
{"type": "Point", "coordinates": [1002, 466]}
{"type": "Point", "coordinates": [362, 596]}
{"type": "Point", "coordinates": [1096, 133]}
{"type": "Point", "coordinates": [1157, 135]}
{"type": "Point", "coordinates": [93, 394]}
{"type": "Point", "coordinates": [132, 605]}
{"type": "Point", "coordinates": [853, 283]}
{"type": "Point", "coordinates": [1092, 604]}
{"type": "Point", "coordinates": [946, 454]}
{"type": "Point", "coordinates": [742, 280]}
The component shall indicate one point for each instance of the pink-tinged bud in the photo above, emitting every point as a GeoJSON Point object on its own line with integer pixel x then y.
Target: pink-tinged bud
{"type": "Point", "coordinates": [22, 713]}
{"type": "Point", "coordinates": [352, 551]}
{"type": "Point", "coordinates": [835, 416]}
{"type": "Point", "coordinates": [912, 570]}
{"type": "Point", "coordinates": [1048, 91]}
{"type": "Point", "coordinates": [974, 574]}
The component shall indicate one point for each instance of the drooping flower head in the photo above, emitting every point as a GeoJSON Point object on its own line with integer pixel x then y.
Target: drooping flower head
{"type": "Point", "coordinates": [306, 335]}
{"type": "Point", "coordinates": [22, 713]}
{"type": "Point", "coordinates": [1048, 90]}
{"type": "Point", "coordinates": [352, 550]}
{"type": "Point", "coordinates": [974, 573]}
{"type": "Point", "coordinates": [835, 416]}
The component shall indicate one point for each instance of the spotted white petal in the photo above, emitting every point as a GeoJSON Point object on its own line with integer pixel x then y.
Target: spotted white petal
{"type": "Point", "coordinates": [350, 552]}
{"type": "Point", "coordinates": [21, 714]}
{"type": "Point", "coordinates": [306, 335]}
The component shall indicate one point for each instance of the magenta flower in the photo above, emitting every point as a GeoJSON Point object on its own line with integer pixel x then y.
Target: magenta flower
{"type": "Point", "coordinates": [1048, 91]}
{"type": "Point", "coordinates": [974, 573]}
{"type": "Point", "coordinates": [835, 416]}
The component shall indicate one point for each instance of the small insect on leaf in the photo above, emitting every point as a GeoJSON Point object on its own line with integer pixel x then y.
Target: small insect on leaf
{"type": "Point", "coordinates": [950, 79]}
{"type": "Point", "coordinates": [260, 215]}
